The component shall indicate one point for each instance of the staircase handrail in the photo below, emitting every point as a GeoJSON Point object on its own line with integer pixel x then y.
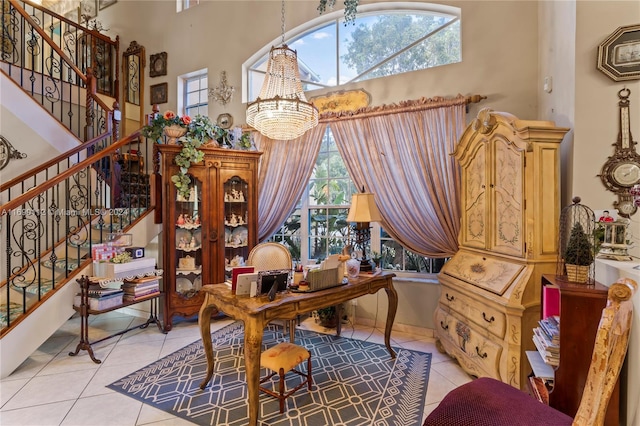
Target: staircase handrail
{"type": "Point", "coordinates": [55, 47]}
{"type": "Point", "coordinates": [59, 159]}
{"type": "Point", "coordinates": [7, 207]}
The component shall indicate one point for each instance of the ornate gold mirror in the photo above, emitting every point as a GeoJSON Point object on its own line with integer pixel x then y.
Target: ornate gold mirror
{"type": "Point", "coordinates": [133, 75]}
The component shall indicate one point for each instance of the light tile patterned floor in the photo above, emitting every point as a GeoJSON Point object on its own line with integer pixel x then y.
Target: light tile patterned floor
{"type": "Point", "coordinates": [53, 388]}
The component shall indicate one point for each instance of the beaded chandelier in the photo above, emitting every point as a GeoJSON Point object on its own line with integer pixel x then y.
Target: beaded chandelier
{"type": "Point", "coordinates": [282, 111]}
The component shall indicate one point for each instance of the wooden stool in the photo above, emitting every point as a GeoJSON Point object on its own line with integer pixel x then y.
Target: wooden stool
{"type": "Point", "coordinates": [281, 359]}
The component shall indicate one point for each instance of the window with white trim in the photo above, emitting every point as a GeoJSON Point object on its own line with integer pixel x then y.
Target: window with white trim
{"type": "Point", "coordinates": [386, 39]}
{"type": "Point", "coordinates": [196, 101]}
{"type": "Point", "coordinates": [185, 4]}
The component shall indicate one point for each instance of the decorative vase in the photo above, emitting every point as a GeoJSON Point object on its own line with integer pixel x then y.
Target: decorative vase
{"type": "Point", "coordinates": [577, 273]}
{"type": "Point", "coordinates": [173, 133]}
{"type": "Point", "coordinates": [353, 268]}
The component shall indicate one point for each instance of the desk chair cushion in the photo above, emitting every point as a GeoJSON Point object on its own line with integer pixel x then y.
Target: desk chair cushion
{"type": "Point", "coordinates": [281, 359]}
{"type": "Point", "coordinates": [284, 355]}
{"type": "Point", "coordinates": [489, 402]}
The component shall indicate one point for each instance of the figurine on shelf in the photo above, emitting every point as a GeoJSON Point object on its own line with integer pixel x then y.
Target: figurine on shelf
{"type": "Point", "coordinates": [182, 243]}
{"type": "Point", "coordinates": [192, 243]}
{"type": "Point", "coordinates": [180, 219]}
{"type": "Point", "coordinates": [196, 219]}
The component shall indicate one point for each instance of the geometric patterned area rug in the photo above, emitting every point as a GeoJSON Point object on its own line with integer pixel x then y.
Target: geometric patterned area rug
{"type": "Point", "coordinates": [355, 383]}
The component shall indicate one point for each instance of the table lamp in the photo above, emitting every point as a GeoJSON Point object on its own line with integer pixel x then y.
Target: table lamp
{"type": "Point", "coordinates": [363, 211]}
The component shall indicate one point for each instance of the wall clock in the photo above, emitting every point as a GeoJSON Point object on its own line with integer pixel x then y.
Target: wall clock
{"type": "Point", "coordinates": [621, 171]}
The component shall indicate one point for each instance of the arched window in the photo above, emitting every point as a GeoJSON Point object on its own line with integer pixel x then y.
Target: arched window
{"type": "Point", "coordinates": [386, 39]}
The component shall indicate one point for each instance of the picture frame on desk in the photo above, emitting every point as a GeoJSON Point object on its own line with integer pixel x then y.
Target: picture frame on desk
{"type": "Point", "coordinates": [267, 279]}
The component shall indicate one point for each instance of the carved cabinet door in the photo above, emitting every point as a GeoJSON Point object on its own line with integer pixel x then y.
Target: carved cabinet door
{"type": "Point", "coordinates": [507, 189]}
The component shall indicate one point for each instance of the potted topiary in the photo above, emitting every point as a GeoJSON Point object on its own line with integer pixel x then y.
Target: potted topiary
{"type": "Point", "coordinates": [578, 255]}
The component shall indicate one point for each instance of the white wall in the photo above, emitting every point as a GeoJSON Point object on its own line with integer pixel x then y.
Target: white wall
{"type": "Point", "coordinates": [30, 129]}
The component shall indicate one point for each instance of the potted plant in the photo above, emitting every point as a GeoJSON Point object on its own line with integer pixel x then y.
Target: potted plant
{"type": "Point", "coordinates": [328, 317]}
{"type": "Point", "coordinates": [578, 255]}
{"type": "Point", "coordinates": [197, 132]}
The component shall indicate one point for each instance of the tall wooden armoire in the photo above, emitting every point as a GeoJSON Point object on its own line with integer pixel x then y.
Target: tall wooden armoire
{"type": "Point", "coordinates": [211, 229]}
{"type": "Point", "coordinates": [510, 204]}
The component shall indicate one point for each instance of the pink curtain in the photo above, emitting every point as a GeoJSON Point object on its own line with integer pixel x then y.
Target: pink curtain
{"type": "Point", "coordinates": [285, 168]}
{"type": "Point", "coordinates": [401, 153]}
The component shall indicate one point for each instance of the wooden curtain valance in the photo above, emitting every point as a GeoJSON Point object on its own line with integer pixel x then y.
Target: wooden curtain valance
{"type": "Point", "coordinates": [403, 106]}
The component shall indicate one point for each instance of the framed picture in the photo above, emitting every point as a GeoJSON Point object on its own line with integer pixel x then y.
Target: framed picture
{"type": "Point", "coordinates": [158, 64]}
{"type": "Point", "coordinates": [159, 93]}
{"type": "Point", "coordinates": [225, 121]}
{"type": "Point", "coordinates": [89, 8]}
{"type": "Point", "coordinates": [277, 277]}
{"type": "Point", "coordinates": [103, 4]}
{"type": "Point", "coordinates": [619, 54]}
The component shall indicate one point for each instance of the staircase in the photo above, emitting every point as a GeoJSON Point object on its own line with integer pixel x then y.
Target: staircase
{"type": "Point", "coordinates": [52, 215]}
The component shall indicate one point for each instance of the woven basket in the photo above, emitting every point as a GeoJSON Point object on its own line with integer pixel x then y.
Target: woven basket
{"type": "Point", "coordinates": [577, 273]}
{"type": "Point", "coordinates": [323, 278]}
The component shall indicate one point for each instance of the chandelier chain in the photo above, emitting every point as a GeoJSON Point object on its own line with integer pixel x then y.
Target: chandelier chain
{"type": "Point", "coordinates": [282, 21]}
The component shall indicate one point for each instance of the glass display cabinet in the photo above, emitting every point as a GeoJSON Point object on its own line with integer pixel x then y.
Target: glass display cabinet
{"type": "Point", "coordinates": [209, 231]}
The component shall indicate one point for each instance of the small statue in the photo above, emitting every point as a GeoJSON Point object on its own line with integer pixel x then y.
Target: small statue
{"type": "Point", "coordinates": [196, 219]}
{"type": "Point", "coordinates": [192, 243]}
{"type": "Point", "coordinates": [180, 219]}
{"type": "Point", "coordinates": [182, 243]}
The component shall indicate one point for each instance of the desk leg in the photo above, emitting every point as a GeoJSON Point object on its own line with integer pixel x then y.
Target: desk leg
{"type": "Point", "coordinates": [253, 330]}
{"type": "Point", "coordinates": [392, 295]}
{"type": "Point", "coordinates": [204, 322]}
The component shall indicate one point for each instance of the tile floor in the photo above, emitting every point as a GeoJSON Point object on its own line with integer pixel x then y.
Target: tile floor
{"type": "Point", "coordinates": [53, 388]}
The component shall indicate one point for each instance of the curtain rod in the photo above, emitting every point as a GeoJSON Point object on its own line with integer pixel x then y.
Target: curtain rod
{"type": "Point", "coordinates": [402, 106]}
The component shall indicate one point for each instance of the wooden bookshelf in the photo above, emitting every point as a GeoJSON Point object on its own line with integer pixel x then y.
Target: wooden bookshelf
{"type": "Point", "coordinates": [580, 308]}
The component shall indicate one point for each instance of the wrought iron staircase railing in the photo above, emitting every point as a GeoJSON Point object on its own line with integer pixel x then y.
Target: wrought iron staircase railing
{"type": "Point", "coordinates": [52, 59]}
{"type": "Point", "coordinates": [47, 231]}
{"type": "Point", "coordinates": [52, 215]}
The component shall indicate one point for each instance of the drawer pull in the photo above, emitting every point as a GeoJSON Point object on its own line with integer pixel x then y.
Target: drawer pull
{"type": "Point", "coordinates": [444, 327]}
{"type": "Point", "coordinates": [484, 355]}
{"type": "Point", "coordinates": [484, 316]}
{"type": "Point", "coordinates": [449, 298]}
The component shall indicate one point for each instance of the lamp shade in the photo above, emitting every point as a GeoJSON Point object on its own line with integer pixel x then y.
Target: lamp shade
{"type": "Point", "coordinates": [363, 208]}
{"type": "Point", "coordinates": [282, 111]}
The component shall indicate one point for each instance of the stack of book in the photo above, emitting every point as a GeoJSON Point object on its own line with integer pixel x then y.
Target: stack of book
{"type": "Point", "coordinates": [101, 296]}
{"type": "Point", "coordinates": [547, 339]}
{"type": "Point", "coordinates": [140, 288]}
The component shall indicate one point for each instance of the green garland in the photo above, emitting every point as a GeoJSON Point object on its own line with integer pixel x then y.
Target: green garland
{"type": "Point", "coordinates": [350, 9]}
{"type": "Point", "coordinates": [200, 130]}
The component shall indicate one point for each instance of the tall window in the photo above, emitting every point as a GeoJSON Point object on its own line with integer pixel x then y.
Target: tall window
{"type": "Point", "coordinates": [318, 226]}
{"type": "Point", "coordinates": [186, 4]}
{"type": "Point", "coordinates": [196, 100]}
{"type": "Point", "coordinates": [387, 39]}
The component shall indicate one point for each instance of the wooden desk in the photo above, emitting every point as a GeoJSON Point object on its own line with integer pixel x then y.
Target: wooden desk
{"type": "Point", "coordinates": [257, 312]}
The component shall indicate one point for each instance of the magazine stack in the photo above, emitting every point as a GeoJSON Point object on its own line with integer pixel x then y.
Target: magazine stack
{"type": "Point", "coordinates": [103, 294]}
{"type": "Point", "coordinates": [547, 339]}
{"type": "Point", "coordinates": [140, 288]}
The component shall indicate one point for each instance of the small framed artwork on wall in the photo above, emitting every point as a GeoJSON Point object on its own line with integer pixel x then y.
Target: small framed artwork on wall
{"type": "Point", "coordinates": [158, 64]}
{"type": "Point", "coordinates": [159, 93]}
{"type": "Point", "coordinates": [619, 54]}
{"type": "Point", "coordinates": [103, 4]}
{"type": "Point", "coordinates": [88, 9]}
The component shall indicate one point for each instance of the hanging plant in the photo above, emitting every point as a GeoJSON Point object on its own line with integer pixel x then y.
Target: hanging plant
{"type": "Point", "coordinates": [350, 9]}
